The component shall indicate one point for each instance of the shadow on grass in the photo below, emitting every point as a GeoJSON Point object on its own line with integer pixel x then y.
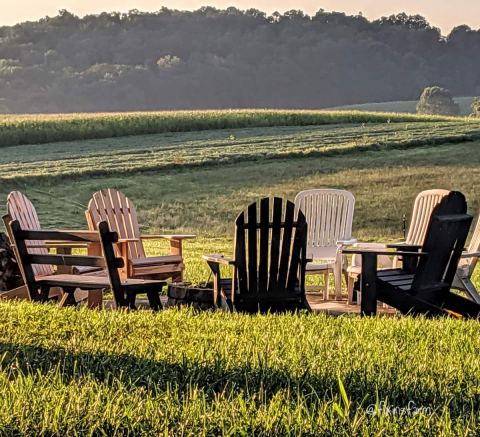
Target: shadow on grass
{"type": "Point", "coordinates": [216, 376]}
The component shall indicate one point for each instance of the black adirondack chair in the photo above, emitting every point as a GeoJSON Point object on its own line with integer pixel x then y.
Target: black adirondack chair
{"type": "Point", "coordinates": [422, 285]}
{"type": "Point", "coordinates": [124, 291]}
{"type": "Point", "coordinates": [269, 264]}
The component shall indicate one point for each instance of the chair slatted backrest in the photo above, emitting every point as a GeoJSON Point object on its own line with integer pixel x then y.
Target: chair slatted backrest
{"type": "Point", "coordinates": [474, 246]}
{"type": "Point", "coordinates": [270, 250]}
{"type": "Point", "coordinates": [118, 211]}
{"type": "Point", "coordinates": [423, 206]}
{"type": "Point", "coordinates": [20, 208]}
{"type": "Point", "coordinates": [329, 215]}
{"type": "Point", "coordinates": [444, 242]}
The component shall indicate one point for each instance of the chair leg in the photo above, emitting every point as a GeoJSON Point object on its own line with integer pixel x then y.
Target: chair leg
{"type": "Point", "coordinates": [131, 298]}
{"type": "Point", "coordinates": [154, 300]}
{"type": "Point", "coordinates": [68, 297]}
{"type": "Point", "coordinates": [326, 277]}
{"type": "Point", "coordinates": [350, 282]}
{"type": "Point", "coordinates": [95, 299]}
{"type": "Point", "coordinates": [337, 274]}
{"type": "Point", "coordinates": [470, 289]}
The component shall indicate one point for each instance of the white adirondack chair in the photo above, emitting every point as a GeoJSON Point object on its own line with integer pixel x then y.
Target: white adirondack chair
{"type": "Point", "coordinates": [466, 266]}
{"type": "Point", "coordinates": [329, 215]}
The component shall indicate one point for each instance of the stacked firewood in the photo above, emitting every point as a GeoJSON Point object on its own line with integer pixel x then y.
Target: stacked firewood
{"type": "Point", "coordinates": [9, 272]}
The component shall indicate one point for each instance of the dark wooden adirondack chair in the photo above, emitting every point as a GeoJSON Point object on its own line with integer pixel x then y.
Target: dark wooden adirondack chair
{"type": "Point", "coordinates": [422, 285]}
{"type": "Point", "coordinates": [124, 291]}
{"type": "Point", "coordinates": [270, 260]}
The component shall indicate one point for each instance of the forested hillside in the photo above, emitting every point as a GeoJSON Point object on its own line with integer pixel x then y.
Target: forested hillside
{"type": "Point", "coordinates": [214, 58]}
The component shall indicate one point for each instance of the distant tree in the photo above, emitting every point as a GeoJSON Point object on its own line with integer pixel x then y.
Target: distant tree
{"type": "Point", "coordinates": [476, 107]}
{"type": "Point", "coordinates": [171, 59]}
{"type": "Point", "coordinates": [437, 101]}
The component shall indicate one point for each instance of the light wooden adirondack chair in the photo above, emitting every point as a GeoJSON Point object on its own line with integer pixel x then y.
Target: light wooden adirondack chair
{"type": "Point", "coordinates": [329, 215]}
{"type": "Point", "coordinates": [119, 212]}
{"type": "Point", "coordinates": [20, 208]}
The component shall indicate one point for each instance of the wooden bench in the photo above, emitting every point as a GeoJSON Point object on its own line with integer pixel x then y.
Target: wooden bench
{"type": "Point", "coordinates": [38, 285]}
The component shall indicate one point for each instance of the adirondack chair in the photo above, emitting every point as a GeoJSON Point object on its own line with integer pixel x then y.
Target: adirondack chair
{"type": "Point", "coordinates": [20, 208]}
{"type": "Point", "coordinates": [119, 212]}
{"type": "Point", "coordinates": [329, 215]}
{"type": "Point", "coordinates": [466, 266]}
{"type": "Point", "coordinates": [124, 291]}
{"type": "Point", "coordinates": [423, 285]}
{"type": "Point", "coordinates": [269, 264]}
{"type": "Point", "coordinates": [422, 208]}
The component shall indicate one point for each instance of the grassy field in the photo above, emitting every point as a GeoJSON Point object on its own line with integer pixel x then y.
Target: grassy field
{"type": "Point", "coordinates": [84, 372]}
{"type": "Point", "coordinates": [37, 129]}
{"type": "Point", "coordinates": [405, 106]}
{"type": "Point", "coordinates": [66, 372]}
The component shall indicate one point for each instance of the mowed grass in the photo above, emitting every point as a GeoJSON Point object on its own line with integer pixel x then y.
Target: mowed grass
{"type": "Point", "coordinates": [75, 371]}
{"type": "Point", "coordinates": [69, 371]}
{"type": "Point", "coordinates": [127, 155]}
{"type": "Point", "coordinates": [206, 200]}
{"type": "Point", "coordinates": [44, 128]}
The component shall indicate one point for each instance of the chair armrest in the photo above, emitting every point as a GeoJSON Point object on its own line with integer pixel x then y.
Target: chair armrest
{"type": "Point", "coordinates": [54, 244]}
{"type": "Point", "coordinates": [92, 236]}
{"type": "Point", "coordinates": [218, 259]}
{"type": "Point", "coordinates": [168, 237]}
{"type": "Point", "coordinates": [127, 240]}
{"type": "Point", "coordinates": [470, 255]}
{"type": "Point", "coordinates": [350, 242]}
{"type": "Point", "coordinates": [404, 246]}
{"type": "Point", "coordinates": [383, 252]}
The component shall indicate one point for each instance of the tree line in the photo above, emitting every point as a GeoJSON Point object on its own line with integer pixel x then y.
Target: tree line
{"type": "Point", "coordinates": [212, 58]}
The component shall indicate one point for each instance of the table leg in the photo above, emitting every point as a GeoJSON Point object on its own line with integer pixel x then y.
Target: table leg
{"type": "Point", "coordinates": [368, 284]}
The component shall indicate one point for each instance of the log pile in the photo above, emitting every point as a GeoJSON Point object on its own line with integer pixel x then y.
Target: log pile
{"type": "Point", "coordinates": [199, 297]}
{"type": "Point", "coordinates": [9, 273]}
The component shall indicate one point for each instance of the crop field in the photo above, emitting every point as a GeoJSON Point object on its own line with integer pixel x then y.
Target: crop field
{"type": "Point", "coordinates": [75, 371]}
{"type": "Point", "coordinates": [36, 129]}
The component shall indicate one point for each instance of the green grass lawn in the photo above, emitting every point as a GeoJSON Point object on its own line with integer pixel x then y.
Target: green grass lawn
{"type": "Point", "coordinates": [68, 371]}
{"type": "Point", "coordinates": [75, 371]}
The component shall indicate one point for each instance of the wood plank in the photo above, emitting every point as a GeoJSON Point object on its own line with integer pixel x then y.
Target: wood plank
{"type": "Point", "coordinates": [299, 243]}
{"type": "Point", "coordinates": [162, 269]}
{"type": "Point", "coordinates": [263, 248]}
{"type": "Point", "coordinates": [252, 248]}
{"type": "Point", "coordinates": [157, 260]}
{"type": "Point", "coordinates": [67, 260]}
{"type": "Point", "coordinates": [275, 244]}
{"type": "Point", "coordinates": [240, 255]}
{"type": "Point", "coordinates": [286, 255]}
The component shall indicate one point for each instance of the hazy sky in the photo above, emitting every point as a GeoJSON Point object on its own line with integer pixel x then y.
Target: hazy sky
{"type": "Point", "coordinates": [441, 13]}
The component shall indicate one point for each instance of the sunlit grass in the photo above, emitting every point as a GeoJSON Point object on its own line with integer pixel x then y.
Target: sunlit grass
{"type": "Point", "coordinates": [79, 371]}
